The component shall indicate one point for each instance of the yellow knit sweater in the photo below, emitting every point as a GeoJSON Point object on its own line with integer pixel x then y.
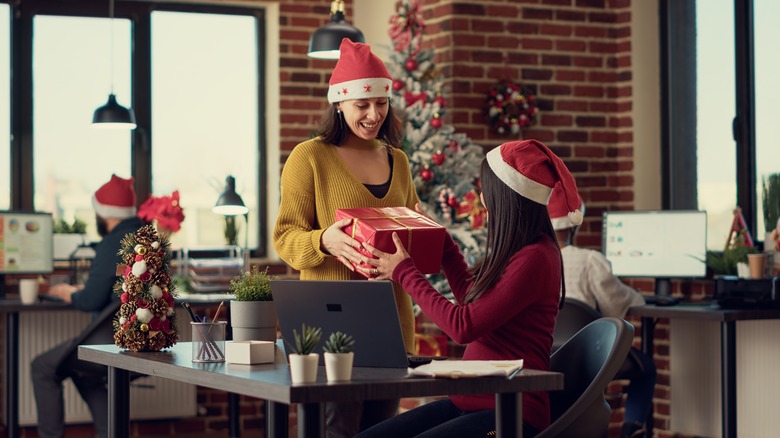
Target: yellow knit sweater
{"type": "Point", "coordinates": [316, 182]}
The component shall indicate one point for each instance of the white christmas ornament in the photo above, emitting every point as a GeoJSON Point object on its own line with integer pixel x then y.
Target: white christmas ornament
{"type": "Point", "coordinates": [155, 244]}
{"type": "Point", "coordinates": [156, 291]}
{"type": "Point", "coordinates": [139, 268]}
{"type": "Point", "coordinates": [144, 315]}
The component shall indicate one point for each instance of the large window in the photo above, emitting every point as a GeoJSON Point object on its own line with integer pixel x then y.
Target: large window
{"type": "Point", "coordinates": [736, 98]}
{"type": "Point", "coordinates": [204, 104]}
{"type": "Point", "coordinates": [5, 108]}
{"type": "Point", "coordinates": [72, 76]}
{"type": "Point", "coordinates": [193, 73]}
{"type": "Point", "coordinates": [716, 159]}
{"type": "Point", "coordinates": [767, 34]}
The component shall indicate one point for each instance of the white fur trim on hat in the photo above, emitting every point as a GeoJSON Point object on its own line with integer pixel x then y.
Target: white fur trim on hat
{"type": "Point", "coordinates": [365, 88]}
{"type": "Point", "coordinates": [517, 181]}
{"type": "Point", "coordinates": [571, 220]}
{"type": "Point", "coordinates": [106, 211]}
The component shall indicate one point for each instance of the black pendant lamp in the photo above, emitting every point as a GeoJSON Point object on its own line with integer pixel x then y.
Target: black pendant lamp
{"type": "Point", "coordinates": [112, 114]}
{"type": "Point", "coordinates": [325, 41]}
{"type": "Point", "coordinates": [230, 202]}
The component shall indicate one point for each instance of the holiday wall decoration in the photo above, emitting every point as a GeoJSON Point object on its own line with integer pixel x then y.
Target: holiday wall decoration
{"type": "Point", "coordinates": [510, 107]}
{"type": "Point", "coordinates": [145, 320]}
{"type": "Point", "coordinates": [445, 164]}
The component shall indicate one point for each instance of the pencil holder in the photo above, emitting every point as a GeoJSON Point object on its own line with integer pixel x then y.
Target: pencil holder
{"type": "Point", "coordinates": [208, 341]}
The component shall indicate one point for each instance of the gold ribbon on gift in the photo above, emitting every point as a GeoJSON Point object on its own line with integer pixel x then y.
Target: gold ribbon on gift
{"type": "Point", "coordinates": [394, 219]}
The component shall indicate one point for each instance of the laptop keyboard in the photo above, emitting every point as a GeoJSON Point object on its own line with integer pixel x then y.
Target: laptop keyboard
{"type": "Point", "coordinates": [416, 361]}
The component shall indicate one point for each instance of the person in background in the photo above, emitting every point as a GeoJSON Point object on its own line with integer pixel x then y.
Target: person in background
{"type": "Point", "coordinates": [589, 278]}
{"type": "Point", "coordinates": [115, 212]}
{"type": "Point", "coordinates": [506, 306]}
{"type": "Point", "coordinates": [354, 162]}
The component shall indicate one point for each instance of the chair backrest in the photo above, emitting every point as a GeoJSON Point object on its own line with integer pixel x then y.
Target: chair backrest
{"type": "Point", "coordinates": [574, 315]}
{"type": "Point", "coordinates": [588, 361]}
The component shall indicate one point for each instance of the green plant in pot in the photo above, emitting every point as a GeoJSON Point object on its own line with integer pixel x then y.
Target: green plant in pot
{"type": "Point", "coordinates": [303, 360]}
{"type": "Point", "coordinates": [339, 356]}
{"type": "Point", "coordinates": [68, 237]}
{"type": "Point", "coordinates": [253, 313]}
{"type": "Point", "coordinates": [770, 201]}
{"type": "Point", "coordinates": [725, 262]}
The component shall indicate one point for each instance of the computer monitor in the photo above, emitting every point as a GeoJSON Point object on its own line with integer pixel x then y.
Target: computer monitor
{"type": "Point", "coordinates": [661, 244]}
{"type": "Point", "coordinates": [25, 244]}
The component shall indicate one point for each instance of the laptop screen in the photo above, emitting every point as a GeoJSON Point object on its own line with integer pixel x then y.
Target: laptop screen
{"type": "Point", "coordinates": [366, 310]}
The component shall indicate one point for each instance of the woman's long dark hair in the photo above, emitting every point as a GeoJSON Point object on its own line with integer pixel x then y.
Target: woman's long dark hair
{"type": "Point", "coordinates": [514, 222]}
{"type": "Point", "coordinates": [334, 129]}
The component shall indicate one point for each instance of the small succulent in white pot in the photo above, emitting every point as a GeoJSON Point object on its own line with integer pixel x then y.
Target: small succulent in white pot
{"type": "Point", "coordinates": [303, 360]}
{"type": "Point", "coordinates": [339, 357]}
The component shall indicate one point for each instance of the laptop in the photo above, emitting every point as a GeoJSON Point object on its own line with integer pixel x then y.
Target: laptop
{"type": "Point", "coordinates": [366, 310]}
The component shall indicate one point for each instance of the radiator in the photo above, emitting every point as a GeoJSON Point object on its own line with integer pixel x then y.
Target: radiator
{"type": "Point", "coordinates": [150, 397]}
{"type": "Point", "coordinates": [695, 377]}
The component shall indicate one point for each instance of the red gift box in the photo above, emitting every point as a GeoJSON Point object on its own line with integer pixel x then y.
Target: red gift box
{"type": "Point", "coordinates": [422, 237]}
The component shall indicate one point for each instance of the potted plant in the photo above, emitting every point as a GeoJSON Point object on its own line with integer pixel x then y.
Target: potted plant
{"type": "Point", "coordinates": [339, 357]}
{"type": "Point", "coordinates": [770, 201]}
{"type": "Point", "coordinates": [303, 361]}
{"type": "Point", "coordinates": [253, 313]}
{"type": "Point", "coordinates": [68, 237]}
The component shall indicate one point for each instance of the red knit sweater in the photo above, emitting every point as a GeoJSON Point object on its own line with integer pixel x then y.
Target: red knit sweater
{"type": "Point", "coordinates": [513, 320]}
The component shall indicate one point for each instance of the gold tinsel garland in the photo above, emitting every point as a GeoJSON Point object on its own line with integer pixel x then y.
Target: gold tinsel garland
{"type": "Point", "coordinates": [145, 320]}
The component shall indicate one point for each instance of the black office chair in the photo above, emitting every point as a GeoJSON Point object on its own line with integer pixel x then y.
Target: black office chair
{"type": "Point", "coordinates": [588, 361]}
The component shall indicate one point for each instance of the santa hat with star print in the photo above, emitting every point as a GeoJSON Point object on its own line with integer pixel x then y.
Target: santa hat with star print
{"type": "Point", "coordinates": [359, 74]}
{"type": "Point", "coordinates": [531, 169]}
{"type": "Point", "coordinates": [115, 199]}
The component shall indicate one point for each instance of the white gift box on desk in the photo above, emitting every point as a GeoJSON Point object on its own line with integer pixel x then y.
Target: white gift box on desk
{"type": "Point", "coordinates": [249, 352]}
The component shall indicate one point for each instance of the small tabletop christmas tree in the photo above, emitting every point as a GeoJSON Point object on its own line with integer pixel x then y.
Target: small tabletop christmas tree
{"type": "Point", "coordinates": [145, 321]}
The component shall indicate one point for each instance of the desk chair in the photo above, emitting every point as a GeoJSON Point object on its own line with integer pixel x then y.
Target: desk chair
{"type": "Point", "coordinates": [588, 361]}
{"type": "Point", "coordinates": [575, 315]}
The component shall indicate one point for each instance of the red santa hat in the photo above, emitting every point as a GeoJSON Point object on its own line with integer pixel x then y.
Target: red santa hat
{"type": "Point", "coordinates": [559, 210]}
{"type": "Point", "coordinates": [359, 74]}
{"type": "Point", "coordinates": [531, 169]}
{"type": "Point", "coordinates": [115, 199]}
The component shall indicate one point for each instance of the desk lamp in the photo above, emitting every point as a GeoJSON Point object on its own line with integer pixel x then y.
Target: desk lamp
{"type": "Point", "coordinates": [231, 204]}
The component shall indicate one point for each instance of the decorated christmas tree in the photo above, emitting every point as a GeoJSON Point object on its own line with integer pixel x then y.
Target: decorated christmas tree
{"type": "Point", "coordinates": [145, 320]}
{"type": "Point", "coordinates": [445, 164]}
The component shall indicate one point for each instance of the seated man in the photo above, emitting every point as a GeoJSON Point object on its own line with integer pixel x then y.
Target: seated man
{"type": "Point", "coordinates": [589, 278]}
{"type": "Point", "coordinates": [115, 208]}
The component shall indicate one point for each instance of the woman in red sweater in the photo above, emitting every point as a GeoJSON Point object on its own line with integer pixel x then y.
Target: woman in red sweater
{"type": "Point", "coordinates": [507, 305]}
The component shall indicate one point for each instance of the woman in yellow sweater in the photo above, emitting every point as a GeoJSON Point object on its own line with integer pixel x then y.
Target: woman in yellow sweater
{"type": "Point", "coordinates": [354, 162]}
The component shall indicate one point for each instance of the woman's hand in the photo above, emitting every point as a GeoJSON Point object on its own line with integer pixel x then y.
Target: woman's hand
{"type": "Point", "coordinates": [384, 263]}
{"type": "Point", "coordinates": [339, 244]}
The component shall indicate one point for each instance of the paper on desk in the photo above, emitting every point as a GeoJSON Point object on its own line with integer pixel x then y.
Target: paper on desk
{"type": "Point", "coordinates": [455, 369]}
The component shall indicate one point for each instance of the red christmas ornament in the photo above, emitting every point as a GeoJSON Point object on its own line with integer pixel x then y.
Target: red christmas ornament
{"type": "Point", "coordinates": [438, 158]}
{"type": "Point", "coordinates": [426, 174]}
{"type": "Point", "coordinates": [453, 202]}
{"type": "Point", "coordinates": [440, 100]}
{"type": "Point", "coordinates": [411, 64]}
{"type": "Point", "coordinates": [398, 85]}
{"type": "Point", "coordinates": [436, 122]}
{"type": "Point", "coordinates": [454, 146]}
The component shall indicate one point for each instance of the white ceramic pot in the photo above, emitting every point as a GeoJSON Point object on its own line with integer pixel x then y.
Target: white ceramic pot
{"type": "Point", "coordinates": [303, 368]}
{"type": "Point", "coordinates": [338, 366]}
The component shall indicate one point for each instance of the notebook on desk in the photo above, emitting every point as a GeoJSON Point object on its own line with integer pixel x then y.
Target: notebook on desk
{"type": "Point", "coordinates": [366, 310]}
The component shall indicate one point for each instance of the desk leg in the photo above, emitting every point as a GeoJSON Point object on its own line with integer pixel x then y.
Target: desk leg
{"type": "Point", "coordinates": [728, 379]}
{"type": "Point", "coordinates": [509, 415]}
{"type": "Point", "coordinates": [648, 347]}
{"type": "Point", "coordinates": [311, 420]}
{"type": "Point", "coordinates": [234, 415]}
{"type": "Point", "coordinates": [12, 375]}
{"type": "Point", "coordinates": [118, 403]}
{"type": "Point", "coordinates": [276, 419]}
